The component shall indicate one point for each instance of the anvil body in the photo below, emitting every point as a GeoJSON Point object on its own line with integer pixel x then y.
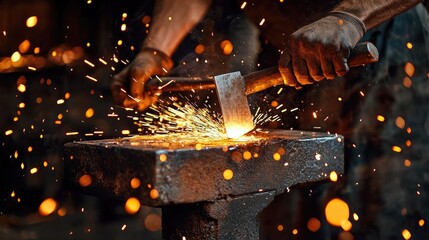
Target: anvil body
{"type": "Point", "coordinates": [192, 172]}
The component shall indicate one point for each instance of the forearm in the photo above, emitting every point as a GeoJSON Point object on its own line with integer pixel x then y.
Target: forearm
{"type": "Point", "coordinates": [375, 12]}
{"type": "Point", "coordinates": [172, 21]}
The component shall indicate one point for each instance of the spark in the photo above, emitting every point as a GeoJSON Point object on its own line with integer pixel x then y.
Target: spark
{"type": "Point", "coordinates": [159, 79]}
{"type": "Point", "coordinates": [125, 132]}
{"type": "Point", "coordinates": [89, 113]}
{"type": "Point", "coordinates": [407, 163]}
{"type": "Point", "coordinates": [8, 132]}
{"type": "Point", "coordinates": [396, 149]}
{"type": "Point", "coordinates": [314, 114]}
{"type": "Point", "coordinates": [162, 157]}
{"type": "Point", "coordinates": [16, 56]}
{"type": "Point", "coordinates": [31, 21]}
{"type": "Point", "coordinates": [380, 118]}
{"type": "Point", "coordinates": [280, 90]}
{"type": "Point", "coordinates": [243, 5]}
{"type": "Point", "coordinates": [72, 133]}
{"type": "Point", "coordinates": [154, 194]}
{"type": "Point", "coordinates": [333, 176]}
{"type": "Point", "coordinates": [406, 234]}
{"type": "Point", "coordinates": [262, 22]}
{"type": "Point", "coordinates": [22, 88]}
{"type": "Point", "coordinates": [102, 61]}
{"type": "Point", "coordinates": [91, 78]}
{"type": "Point", "coordinates": [318, 156]}
{"type": "Point", "coordinates": [60, 101]}
{"type": "Point", "coordinates": [89, 63]}
{"type": "Point", "coordinates": [161, 87]}
{"type": "Point", "coordinates": [123, 227]}
{"type": "Point", "coordinates": [166, 118]}
{"type": "Point", "coordinates": [32, 68]}
{"type": "Point", "coordinates": [293, 110]}
{"type": "Point", "coordinates": [228, 174]}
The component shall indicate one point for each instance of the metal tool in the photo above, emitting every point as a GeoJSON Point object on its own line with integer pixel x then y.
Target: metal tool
{"type": "Point", "coordinates": [232, 88]}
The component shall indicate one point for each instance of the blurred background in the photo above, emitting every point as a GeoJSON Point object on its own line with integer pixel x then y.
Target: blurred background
{"type": "Point", "coordinates": [56, 63]}
{"type": "Point", "coordinates": [57, 59]}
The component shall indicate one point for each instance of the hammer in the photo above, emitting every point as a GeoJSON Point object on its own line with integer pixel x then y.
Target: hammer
{"type": "Point", "coordinates": [232, 88]}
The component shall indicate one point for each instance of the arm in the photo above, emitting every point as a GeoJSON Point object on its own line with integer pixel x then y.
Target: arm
{"type": "Point", "coordinates": [320, 49]}
{"type": "Point", "coordinates": [172, 21]}
{"type": "Point", "coordinates": [375, 12]}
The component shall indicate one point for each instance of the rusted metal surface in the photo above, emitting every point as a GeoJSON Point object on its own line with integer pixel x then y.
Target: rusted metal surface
{"type": "Point", "coordinates": [189, 175]}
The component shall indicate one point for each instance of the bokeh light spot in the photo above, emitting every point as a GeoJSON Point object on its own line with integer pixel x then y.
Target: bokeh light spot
{"type": "Point", "coordinates": [89, 113]}
{"type": "Point", "coordinates": [135, 183]}
{"type": "Point", "coordinates": [132, 205]}
{"type": "Point", "coordinates": [47, 207]}
{"type": "Point", "coordinates": [31, 21]}
{"type": "Point", "coordinates": [406, 234]}
{"type": "Point", "coordinates": [336, 212]}
{"type": "Point", "coordinates": [152, 222]}
{"type": "Point", "coordinates": [85, 180]}
{"type": "Point", "coordinates": [154, 194]}
{"type": "Point", "coordinates": [313, 224]}
{"type": "Point", "coordinates": [228, 174]}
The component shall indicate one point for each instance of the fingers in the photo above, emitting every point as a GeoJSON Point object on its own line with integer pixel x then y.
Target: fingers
{"type": "Point", "coordinates": [286, 70]}
{"type": "Point", "coordinates": [315, 69]}
{"type": "Point", "coordinates": [300, 70]}
{"type": "Point", "coordinates": [303, 69]}
{"type": "Point", "coordinates": [128, 88]}
{"type": "Point", "coordinates": [340, 65]}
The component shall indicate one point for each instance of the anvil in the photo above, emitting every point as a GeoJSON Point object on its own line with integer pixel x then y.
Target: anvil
{"type": "Point", "coordinates": [210, 189]}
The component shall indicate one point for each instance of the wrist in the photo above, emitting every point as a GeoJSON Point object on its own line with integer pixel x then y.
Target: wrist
{"type": "Point", "coordinates": [353, 20]}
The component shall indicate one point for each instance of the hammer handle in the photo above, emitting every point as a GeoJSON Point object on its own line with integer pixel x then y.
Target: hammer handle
{"type": "Point", "coordinates": [362, 54]}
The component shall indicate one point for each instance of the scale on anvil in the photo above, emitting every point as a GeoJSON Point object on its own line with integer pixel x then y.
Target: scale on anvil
{"type": "Point", "coordinates": [197, 200]}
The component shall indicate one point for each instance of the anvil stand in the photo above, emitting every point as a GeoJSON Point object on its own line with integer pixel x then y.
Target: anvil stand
{"type": "Point", "coordinates": [197, 202]}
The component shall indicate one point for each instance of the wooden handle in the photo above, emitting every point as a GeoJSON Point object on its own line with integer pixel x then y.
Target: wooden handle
{"type": "Point", "coordinates": [362, 54]}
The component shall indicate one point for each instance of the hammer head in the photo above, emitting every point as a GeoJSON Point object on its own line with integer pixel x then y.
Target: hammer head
{"type": "Point", "coordinates": [231, 91]}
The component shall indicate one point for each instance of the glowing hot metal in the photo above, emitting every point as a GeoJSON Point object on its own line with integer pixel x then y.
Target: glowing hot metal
{"type": "Point", "coordinates": [237, 117]}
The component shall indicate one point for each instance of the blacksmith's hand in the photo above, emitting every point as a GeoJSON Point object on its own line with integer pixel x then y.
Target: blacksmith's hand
{"type": "Point", "coordinates": [128, 85]}
{"type": "Point", "coordinates": [320, 50]}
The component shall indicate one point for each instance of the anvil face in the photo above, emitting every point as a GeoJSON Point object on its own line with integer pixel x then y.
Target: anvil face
{"type": "Point", "coordinates": [191, 170]}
